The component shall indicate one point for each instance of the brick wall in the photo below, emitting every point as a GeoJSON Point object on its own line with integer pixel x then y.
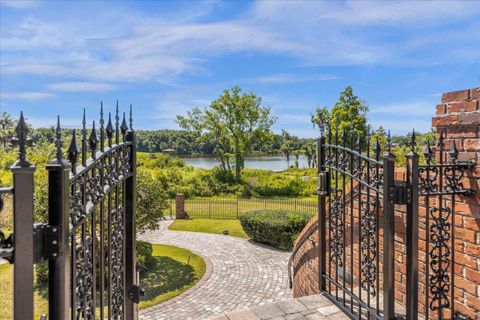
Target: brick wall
{"type": "Point", "coordinates": [458, 117]}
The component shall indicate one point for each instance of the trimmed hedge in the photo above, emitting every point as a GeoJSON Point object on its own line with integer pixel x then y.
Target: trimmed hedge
{"type": "Point", "coordinates": [278, 228]}
{"type": "Point", "coordinates": [145, 253]}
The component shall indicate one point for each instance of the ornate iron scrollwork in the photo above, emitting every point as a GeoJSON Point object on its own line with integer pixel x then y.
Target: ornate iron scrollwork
{"type": "Point", "coordinates": [368, 247]}
{"type": "Point", "coordinates": [84, 308]}
{"type": "Point", "coordinates": [440, 233]}
{"type": "Point", "coordinates": [117, 273]}
{"type": "Point", "coordinates": [337, 224]}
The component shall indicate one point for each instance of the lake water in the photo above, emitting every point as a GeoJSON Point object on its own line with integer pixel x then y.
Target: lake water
{"type": "Point", "coordinates": [274, 163]}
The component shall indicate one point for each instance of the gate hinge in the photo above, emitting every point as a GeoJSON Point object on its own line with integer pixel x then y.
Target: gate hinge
{"type": "Point", "coordinates": [136, 293]}
{"type": "Point", "coordinates": [323, 184]}
{"type": "Point", "coordinates": [400, 194]}
{"type": "Point", "coordinates": [46, 238]}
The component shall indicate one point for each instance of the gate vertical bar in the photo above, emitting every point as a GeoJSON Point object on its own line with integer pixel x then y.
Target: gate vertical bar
{"type": "Point", "coordinates": [388, 232]}
{"type": "Point", "coordinates": [59, 268]}
{"type": "Point", "coordinates": [321, 219]}
{"type": "Point", "coordinates": [130, 227]}
{"type": "Point", "coordinates": [23, 228]}
{"type": "Point", "coordinates": [412, 233]}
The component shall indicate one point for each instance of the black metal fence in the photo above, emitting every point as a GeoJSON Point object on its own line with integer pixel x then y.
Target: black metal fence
{"type": "Point", "coordinates": [232, 208]}
{"type": "Point", "coordinates": [356, 227]}
{"type": "Point", "coordinates": [89, 240]}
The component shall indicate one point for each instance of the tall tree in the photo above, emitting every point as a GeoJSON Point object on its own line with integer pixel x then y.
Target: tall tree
{"type": "Point", "coordinates": [288, 145]}
{"type": "Point", "coordinates": [349, 112]}
{"type": "Point", "coordinates": [233, 123]}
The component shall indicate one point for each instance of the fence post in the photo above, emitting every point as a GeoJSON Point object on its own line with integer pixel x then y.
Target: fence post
{"type": "Point", "coordinates": [388, 233]}
{"type": "Point", "coordinates": [237, 207]}
{"type": "Point", "coordinates": [412, 234]}
{"type": "Point", "coordinates": [59, 268]}
{"type": "Point", "coordinates": [322, 213]}
{"type": "Point", "coordinates": [180, 206]}
{"type": "Point", "coordinates": [23, 228]}
{"type": "Point", "coordinates": [131, 312]}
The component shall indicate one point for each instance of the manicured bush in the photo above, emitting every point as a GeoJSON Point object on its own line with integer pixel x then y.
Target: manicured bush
{"type": "Point", "coordinates": [278, 228]}
{"type": "Point", "coordinates": [145, 253]}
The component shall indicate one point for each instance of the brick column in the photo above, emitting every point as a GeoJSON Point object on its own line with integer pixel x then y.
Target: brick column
{"type": "Point", "coordinates": [458, 117]}
{"type": "Point", "coordinates": [180, 206]}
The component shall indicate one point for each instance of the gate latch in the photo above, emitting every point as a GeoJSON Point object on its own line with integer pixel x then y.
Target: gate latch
{"type": "Point", "coordinates": [401, 194]}
{"type": "Point", "coordinates": [46, 238]}
{"type": "Point", "coordinates": [136, 293]}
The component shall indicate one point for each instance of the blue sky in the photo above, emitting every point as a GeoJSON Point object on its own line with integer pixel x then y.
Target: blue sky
{"type": "Point", "coordinates": [167, 57]}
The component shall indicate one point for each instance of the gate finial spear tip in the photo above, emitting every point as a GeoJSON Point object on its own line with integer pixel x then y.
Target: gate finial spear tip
{"type": "Point", "coordinates": [109, 128]}
{"type": "Point", "coordinates": [453, 151]}
{"type": "Point", "coordinates": [93, 139]}
{"type": "Point", "coordinates": [101, 113]}
{"type": "Point", "coordinates": [123, 126]}
{"type": "Point", "coordinates": [131, 117]}
{"type": "Point", "coordinates": [428, 151]}
{"type": "Point", "coordinates": [378, 148]}
{"type": "Point", "coordinates": [73, 151]}
{"type": "Point", "coordinates": [59, 142]}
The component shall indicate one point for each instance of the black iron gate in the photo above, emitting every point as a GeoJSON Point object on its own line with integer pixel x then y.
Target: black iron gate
{"type": "Point", "coordinates": [89, 240]}
{"type": "Point", "coordinates": [357, 221]}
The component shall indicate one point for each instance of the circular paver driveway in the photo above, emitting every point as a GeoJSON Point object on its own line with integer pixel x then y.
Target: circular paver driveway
{"type": "Point", "coordinates": [239, 273]}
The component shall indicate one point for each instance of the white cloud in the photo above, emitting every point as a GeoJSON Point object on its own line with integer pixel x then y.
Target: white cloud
{"type": "Point", "coordinates": [81, 87]}
{"type": "Point", "coordinates": [20, 4]}
{"type": "Point", "coordinates": [28, 96]}
{"type": "Point", "coordinates": [147, 46]}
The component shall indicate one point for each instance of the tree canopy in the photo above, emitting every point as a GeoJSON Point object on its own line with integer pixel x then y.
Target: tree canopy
{"type": "Point", "coordinates": [233, 124]}
{"type": "Point", "coordinates": [349, 112]}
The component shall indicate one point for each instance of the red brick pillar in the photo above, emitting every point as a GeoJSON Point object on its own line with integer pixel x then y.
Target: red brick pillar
{"type": "Point", "coordinates": [458, 117]}
{"type": "Point", "coordinates": [180, 206]}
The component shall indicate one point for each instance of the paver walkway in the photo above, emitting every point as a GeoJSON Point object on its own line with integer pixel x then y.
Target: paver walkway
{"type": "Point", "coordinates": [240, 273]}
{"type": "Point", "coordinates": [315, 307]}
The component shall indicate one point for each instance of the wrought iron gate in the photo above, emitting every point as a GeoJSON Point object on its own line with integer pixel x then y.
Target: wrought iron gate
{"type": "Point", "coordinates": [89, 240]}
{"type": "Point", "coordinates": [358, 194]}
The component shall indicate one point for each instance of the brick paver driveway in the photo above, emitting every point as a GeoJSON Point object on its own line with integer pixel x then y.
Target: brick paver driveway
{"type": "Point", "coordinates": [239, 273]}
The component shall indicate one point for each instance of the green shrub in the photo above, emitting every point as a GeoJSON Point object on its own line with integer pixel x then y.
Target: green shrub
{"type": "Point", "coordinates": [144, 253]}
{"type": "Point", "coordinates": [278, 228]}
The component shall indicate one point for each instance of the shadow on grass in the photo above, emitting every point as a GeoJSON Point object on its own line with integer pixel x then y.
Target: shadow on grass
{"type": "Point", "coordinates": [165, 275]}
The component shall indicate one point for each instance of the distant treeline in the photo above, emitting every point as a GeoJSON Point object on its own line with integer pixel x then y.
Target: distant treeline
{"type": "Point", "coordinates": [184, 142]}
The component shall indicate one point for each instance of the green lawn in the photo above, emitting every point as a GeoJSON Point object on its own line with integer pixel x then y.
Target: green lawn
{"type": "Point", "coordinates": [175, 270]}
{"type": "Point", "coordinates": [6, 294]}
{"type": "Point", "coordinates": [210, 226]}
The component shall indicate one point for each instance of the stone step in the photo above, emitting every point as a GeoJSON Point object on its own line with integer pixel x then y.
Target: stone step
{"type": "Point", "coordinates": [315, 307]}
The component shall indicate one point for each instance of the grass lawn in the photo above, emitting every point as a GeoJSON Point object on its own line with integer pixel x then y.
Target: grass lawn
{"type": "Point", "coordinates": [210, 226]}
{"type": "Point", "coordinates": [175, 270]}
{"type": "Point", "coordinates": [6, 295]}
